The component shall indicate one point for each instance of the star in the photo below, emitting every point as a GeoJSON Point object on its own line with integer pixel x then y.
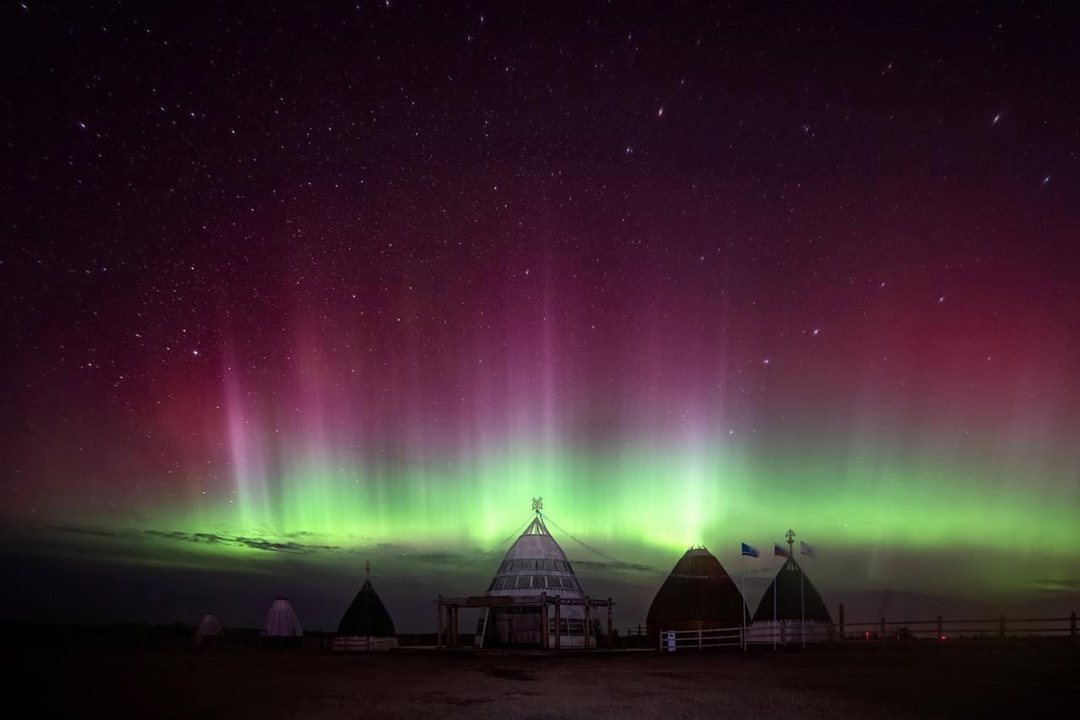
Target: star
{"type": "Point", "coordinates": [996, 118]}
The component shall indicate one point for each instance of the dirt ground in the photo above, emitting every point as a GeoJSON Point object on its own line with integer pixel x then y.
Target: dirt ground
{"type": "Point", "coordinates": [917, 680]}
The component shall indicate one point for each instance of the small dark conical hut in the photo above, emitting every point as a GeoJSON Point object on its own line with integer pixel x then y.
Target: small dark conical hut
{"type": "Point", "coordinates": [698, 594]}
{"type": "Point", "coordinates": [367, 616]}
{"type": "Point", "coordinates": [791, 610]}
{"type": "Point", "coordinates": [366, 625]}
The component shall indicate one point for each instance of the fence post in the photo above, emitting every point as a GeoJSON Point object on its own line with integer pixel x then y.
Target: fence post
{"type": "Point", "coordinates": [610, 634]}
{"type": "Point", "coordinates": [939, 633]}
{"type": "Point", "coordinates": [841, 622]}
{"type": "Point", "coordinates": [1072, 626]}
{"type": "Point", "coordinates": [438, 631]}
{"type": "Point", "coordinates": [699, 638]}
{"type": "Point", "coordinates": [883, 631]}
{"type": "Point", "coordinates": [1001, 627]}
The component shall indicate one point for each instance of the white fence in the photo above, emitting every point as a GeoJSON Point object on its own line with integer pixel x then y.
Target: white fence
{"type": "Point", "coordinates": [700, 639]}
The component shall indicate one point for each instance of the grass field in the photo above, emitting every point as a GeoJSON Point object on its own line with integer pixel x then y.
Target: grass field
{"type": "Point", "coordinates": [1036, 680]}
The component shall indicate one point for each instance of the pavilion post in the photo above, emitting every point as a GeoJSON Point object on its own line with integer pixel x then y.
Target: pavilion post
{"type": "Point", "coordinates": [610, 638]}
{"type": "Point", "coordinates": [588, 622]}
{"type": "Point", "coordinates": [558, 624]}
{"type": "Point", "coordinates": [544, 629]}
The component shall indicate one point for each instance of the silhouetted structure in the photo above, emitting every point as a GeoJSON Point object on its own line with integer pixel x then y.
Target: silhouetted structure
{"type": "Point", "coordinates": [698, 594]}
{"type": "Point", "coordinates": [791, 610]}
{"type": "Point", "coordinates": [367, 624]}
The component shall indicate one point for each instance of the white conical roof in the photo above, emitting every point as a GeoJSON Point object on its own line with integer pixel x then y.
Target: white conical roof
{"type": "Point", "coordinates": [210, 626]}
{"type": "Point", "coordinates": [535, 564]}
{"type": "Point", "coordinates": [282, 621]}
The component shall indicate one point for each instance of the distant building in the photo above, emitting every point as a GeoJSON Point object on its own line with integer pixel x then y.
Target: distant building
{"type": "Point", "coordinates": [698, 594]}
{"type": "Point", "coordinates": [209, 631]}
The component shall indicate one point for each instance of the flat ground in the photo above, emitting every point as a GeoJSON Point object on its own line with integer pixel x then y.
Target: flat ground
{"type": "Point", "coordinates": [872, 681]}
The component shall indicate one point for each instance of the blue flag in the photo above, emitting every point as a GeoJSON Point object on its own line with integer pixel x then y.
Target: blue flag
{"type": "Point", "coordinates": [806, 549]}
{"type": "Point", "coordinates": [749, 550]}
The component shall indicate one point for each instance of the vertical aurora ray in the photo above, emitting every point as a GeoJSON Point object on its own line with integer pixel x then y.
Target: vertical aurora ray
{"type": "Point", "coordinates": [643, 440]}
{"type": "Point", "coordinates": [247, 458]}
{"type": "Point", "coordinates": [641, 462]}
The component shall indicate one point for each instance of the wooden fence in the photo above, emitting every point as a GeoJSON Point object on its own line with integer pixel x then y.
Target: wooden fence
{"type": "Point", "coordinates": [944, 629]}
{"type": "Point", "coordinates": [700, 639]}
{"type": "Point", "coordinates": [883, 630]}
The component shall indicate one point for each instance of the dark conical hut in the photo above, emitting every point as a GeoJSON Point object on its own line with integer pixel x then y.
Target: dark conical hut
{"type": "Point", "coordinates": [791, 610]}
{"type": "Point", "coordinates": [698, 594]}
{"type": "Point", "coordinates": [367, 616]}
{"type": "Point", "coordinates": [366, 625]}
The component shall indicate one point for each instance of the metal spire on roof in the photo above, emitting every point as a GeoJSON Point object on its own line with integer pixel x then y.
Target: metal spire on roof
{"type": "Point", "coordinates": [367, 569]}
{"type": "Point", "coordinates": [538, 505]}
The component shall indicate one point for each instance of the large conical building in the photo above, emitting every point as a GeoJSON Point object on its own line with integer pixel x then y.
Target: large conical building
{"type": "Point", "coordinates": [791, 610]}
{"type": "Point", "coordinates": [698, 594]}
{"type": "Point", "coordinates": [535, 565]}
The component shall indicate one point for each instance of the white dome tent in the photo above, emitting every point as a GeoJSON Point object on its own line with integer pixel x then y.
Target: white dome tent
{"type": "Point", "coordinates": [209, 631]}
{"type": "Point", "coordinates": [282, 620]}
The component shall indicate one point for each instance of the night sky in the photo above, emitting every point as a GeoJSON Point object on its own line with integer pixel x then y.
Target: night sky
{"type": "Point", "coordinates": [288, 289]}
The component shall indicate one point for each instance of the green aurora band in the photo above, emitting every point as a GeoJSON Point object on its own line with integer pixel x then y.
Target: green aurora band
{"type": "Point", "coordinates": [970, 527]}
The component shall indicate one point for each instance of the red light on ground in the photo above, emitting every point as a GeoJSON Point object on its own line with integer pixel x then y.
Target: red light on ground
{"type": "Point", "coordinates": [942, 638]}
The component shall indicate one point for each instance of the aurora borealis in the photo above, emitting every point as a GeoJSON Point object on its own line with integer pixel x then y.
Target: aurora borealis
{"type": "Point", "coordinates": [288, 290]}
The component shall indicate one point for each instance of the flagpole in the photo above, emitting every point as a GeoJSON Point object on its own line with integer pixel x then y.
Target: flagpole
{"type": "Point", "coordinates": [802, 603]}
{"type": "Point", "coordinates": [742, 606]}
{"type": "Point", "coordinates": [791, 557]}
{"type": "Point", "coordinates": [775, 592]}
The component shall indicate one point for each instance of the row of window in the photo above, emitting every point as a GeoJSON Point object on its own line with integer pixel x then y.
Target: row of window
{"type": "Point", "coordinates": [534, 582]}
{"type": "Point", "coordinates": [549, 565]}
